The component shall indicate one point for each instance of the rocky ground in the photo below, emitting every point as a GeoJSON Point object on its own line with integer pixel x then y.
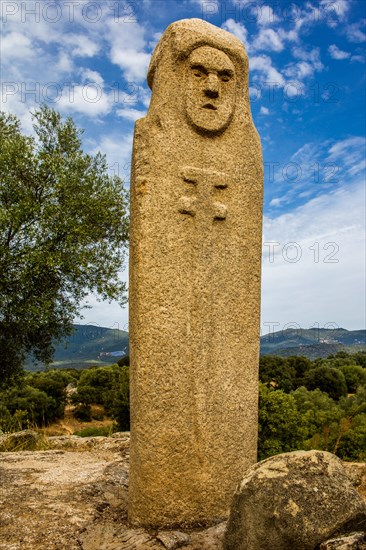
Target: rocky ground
{"type": "Point", "coordinates": [74, 496]}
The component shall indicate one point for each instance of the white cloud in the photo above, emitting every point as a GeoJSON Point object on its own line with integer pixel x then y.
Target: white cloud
{"type": "Point", "coordinates": [358, 59]}
{"type": "Point", "coordinates": [133, 64]}
{"type": "Point", "coordinates": [309, 64]}
{"type": "Point", "coordinates": [316, 167]}
{"type": "Point", "coordinates": [276, 202]}
{"type": "Point", "coordinates": [238, 29]}
{"type": "Point", "coordinates": [16, 45]}
{"type": "Point", "coordinates": [131, 114]}
{"type": "Point", "coordinates": [268, 39]}
{"type": "Point", "coordinates": [264, 111]}
{"type": "Point", "coordinates": [81, 45]}
{"type": "Point", "coordinates": [89, 99]}
{"type": "Point", "coordinates": [12, 103]}
{"type": "Point", "coordinates": [92, 76]}
{"type": "Point", "coordinates": [266, 16]}
{"type": "Point", "coordinates": [336, 9]}
{"type": "Point", "coordinates": [103, 314]}
{"type": "Point", "coordinates": [354, 32]}
{"type": "Point", "coordinates": [299, 70]}
{"type": "Point", "coordinates": [64, 63]}
{"type": "Point", "coordinates": [311, 55]}
{"type": "Point", "coordinates": [242, 3]}
{"type": "Point", "coordinates": [326, 283]}
{"type": "Point", "coordinates": [268, 73]}
{"type": "Point", "coordinates": [336, 53]}
{"type": "Point", "coordinates": [208, 8]}
{"type": "Point", "coordinates": [349, 154]}
{"type": "Point", "coordinates": [127, 49]}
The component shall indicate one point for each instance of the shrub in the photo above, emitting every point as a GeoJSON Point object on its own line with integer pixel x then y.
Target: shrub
{"type": "Point", "coordinates": [105, 431]}
{"type": "Point", "coordinates": [82, 412]}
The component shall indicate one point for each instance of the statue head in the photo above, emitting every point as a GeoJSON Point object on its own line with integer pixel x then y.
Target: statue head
{"type": "Point", "coordinates": [209, 86]}
{"type": "Point", "coordinates": [199, 76]}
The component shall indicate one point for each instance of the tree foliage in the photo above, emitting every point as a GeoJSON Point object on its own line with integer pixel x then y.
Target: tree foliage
{"type": "Point", "coordinates": [281, 427]}
{"type": "Point", "coordinates": [63, 231]}
{"type": "Point", "coordinates": [107, 386]}
{"type": "Point", "coordinates": [328, 379]}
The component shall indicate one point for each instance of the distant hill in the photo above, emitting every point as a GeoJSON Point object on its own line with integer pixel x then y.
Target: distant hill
{"type": "Point", "coordinates": [91, 345]}
{"type": "Point", "coordinates": [313, 343]}
{"type": "Point", "coordinates": [88, 345]}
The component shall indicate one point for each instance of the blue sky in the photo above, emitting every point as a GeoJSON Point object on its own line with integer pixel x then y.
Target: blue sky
{"type": "Point", "coordinates": [307, 84]}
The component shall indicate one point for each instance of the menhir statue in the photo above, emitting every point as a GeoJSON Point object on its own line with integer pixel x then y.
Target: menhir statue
{"type": "Point", "coordinates": [196, 199]}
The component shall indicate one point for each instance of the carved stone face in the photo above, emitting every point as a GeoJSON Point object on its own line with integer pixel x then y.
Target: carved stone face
{"type": "Point", "coordinates": [209, 90]}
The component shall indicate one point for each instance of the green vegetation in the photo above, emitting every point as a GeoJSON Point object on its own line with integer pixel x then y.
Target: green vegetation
{"type": "Point", "coordinates": [105, 431]}
{"type": "Point", "coordinates": [317, 404]}
{"type": "Point", "coordinates": [303, 404]}
{"type": "Point", "coordinates": [63, 232]}
{"type": "Point", "coordinates": [107, 386]}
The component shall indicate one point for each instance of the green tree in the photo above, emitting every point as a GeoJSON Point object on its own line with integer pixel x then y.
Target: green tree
{"type": "Point", "coordinates": [281, 427]}
{"type": "Point", "coordinates": [41, 409]}
{"type": "Point", "coordinates": [352, 443]}
{"type": "Point", "coordinates": [93, 383]}
{"type": "Point", "coordinates": [53, 383]}
{"type": "Point", "coordinates": [117, 402]}
{"type": "Point", "coordinates": [355, 376]}
{"type": "Point", "coordinates": [277, 372]}
{"type": "Point", "coordinates": [63, 232]}
{"type": "Point", "coordinates": [301, 365]}
{"type": "Point", "coordinates": [328, 379]}
{"type": "Point", "coordinates": [321, 416]}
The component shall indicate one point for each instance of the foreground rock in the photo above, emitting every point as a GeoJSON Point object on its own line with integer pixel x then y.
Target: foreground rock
{"type": "Point", "coordinates": [356, 541]}
{"type": "Point", "coordinates": [74, 497]}
{"type": "Point", "coordinates": [295, 500]}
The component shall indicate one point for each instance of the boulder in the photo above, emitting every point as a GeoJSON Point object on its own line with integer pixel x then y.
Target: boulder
{"type": "Point", "coordinates": [294, 500]}
{"type": "Point", "coordinates": [356, 541]}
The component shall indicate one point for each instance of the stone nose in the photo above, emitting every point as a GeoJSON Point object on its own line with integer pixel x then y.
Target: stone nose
{"type": "Point", "coordinates": [212, 86]}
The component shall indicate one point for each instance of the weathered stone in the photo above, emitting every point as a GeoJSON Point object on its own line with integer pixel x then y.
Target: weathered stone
{"type": "Point", "coordinates": [294, 500]}
{"type": "Point", "coordinates": [356, 541]}
{"type": "Point", "coordinates": [195, 255]}
{"type": "Point", "coordinates": [19, 441]}
{"type": "Point", "coordinates": [173, 539]}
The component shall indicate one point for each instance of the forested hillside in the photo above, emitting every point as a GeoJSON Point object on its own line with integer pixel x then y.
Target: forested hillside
{"type": "Point", "coordinates": [93, 345]}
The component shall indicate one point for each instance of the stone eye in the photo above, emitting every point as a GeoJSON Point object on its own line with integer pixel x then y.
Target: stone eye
{"type": "Point", "coordinates": [198, 71]}
{"type": "Point", "coordinates": [225, 77]}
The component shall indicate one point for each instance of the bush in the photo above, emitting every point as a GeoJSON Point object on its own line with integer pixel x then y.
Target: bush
{"type": "Point", "coordinates": [40, 408]}
{"type": "Point", "coordinates": [82, 412]}
{"type": "Point", "coordinates": [105, 431]}
{"type": "Point", "coordinates": [107, 386]}
{"type": "Point", "coordinates": [124, 361]}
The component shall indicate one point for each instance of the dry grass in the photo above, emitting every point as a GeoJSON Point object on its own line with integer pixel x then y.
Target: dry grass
{"type": "Point", "coordinates": [69, 424]}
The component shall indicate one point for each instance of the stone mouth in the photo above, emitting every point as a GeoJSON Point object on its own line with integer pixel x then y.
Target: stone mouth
{"type": "Point", "coordinates": [210, 107]}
